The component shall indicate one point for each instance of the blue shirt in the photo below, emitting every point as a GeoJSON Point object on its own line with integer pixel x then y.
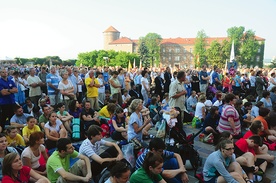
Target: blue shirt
{"type": "Point", "coordinates": [7, 99]}
{"type": "Point", "coordinates": [204, 74]}
{"type": "Point", "coordinates": [166, 155]}
{"type": "Point", "coordinates": [20, 119]}
{"type": "Point", "coordinates": [106, 76]}
{"type": "Point", "coordinates": [214, 76]}
{"type": "Point", "coordinates": [139, 121]}
{"type": "Point", "coordinates": [74, 81]}
{"type": "Point", "coordinates": [54, 80]}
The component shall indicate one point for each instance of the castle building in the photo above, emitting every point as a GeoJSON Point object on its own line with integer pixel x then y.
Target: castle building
{"type": "Point", "coordinates": [176, 52]}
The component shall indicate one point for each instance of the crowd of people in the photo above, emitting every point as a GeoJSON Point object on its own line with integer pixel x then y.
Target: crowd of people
{"type": "Point", "coordinates": [39, 104]}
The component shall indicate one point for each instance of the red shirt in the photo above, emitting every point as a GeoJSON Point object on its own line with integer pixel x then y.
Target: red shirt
{"type": "Point", "coordinates": [248, 134]}
{"type": "Point", "coordinates": [243, 146]}
{"type": "Point", "coordinates": [24, 176]}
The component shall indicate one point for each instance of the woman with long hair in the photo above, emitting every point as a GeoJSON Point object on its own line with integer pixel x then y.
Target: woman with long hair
{"type": "Point", "coordinates": [14, 171]}
{"type": "Point", "coordinates": [54, 130]}
{"type": "Point", "coordinates": [211, 121]}
{"type": "Point", "coordinates": [64, 117]}
{"type": "Point", "coordinates": [118, 127]}
{"type": "Point", "coordinates": [31, 155]}
{"type": "Point", "coordinates": [75, 109]}
{"type": "Point", "coordinates": [150, 171]}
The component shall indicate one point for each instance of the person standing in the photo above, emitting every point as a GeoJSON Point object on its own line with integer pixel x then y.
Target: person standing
{"type": "Point", "coordinates": [260, 84]}
{"type": "Point", "coordinates": [42, 75]}
{"type": "Point", "coordinates": [52, 80]}
{"type": "Point", "coordinates": [7, 99]}
{"type": "Point", "coordinates": [35, 91]}
{"type": "Point", "coordinates": [204, 78]}
{"type": "Point", "coordinates": [92, 85]}
{"type": "Point", "coordinates": [167, 78]}
{"type": "Point", "coordinates": [145, 87]}
{"type": "Point", "coordinates": [159, 85]}
{"type": "Point", "coordinates": [115, 88]}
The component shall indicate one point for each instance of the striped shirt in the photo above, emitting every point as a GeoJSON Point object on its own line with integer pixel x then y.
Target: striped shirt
{"type": "Point", "coordinates": [88, 149]}
{"type": "Point", "coordinates": [54, 80]}
{"type": "Point", "coordinates": [229, 111]}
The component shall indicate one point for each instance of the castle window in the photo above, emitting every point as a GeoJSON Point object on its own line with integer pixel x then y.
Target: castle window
{"type": "Point", "coordinates": [177, 50]}
{"type": "Point", "coordinates": [164, 50]}
{"type": "Point", "coordinates": [170, 58]}
{"type": "Point", "coordinates": [177, 58]}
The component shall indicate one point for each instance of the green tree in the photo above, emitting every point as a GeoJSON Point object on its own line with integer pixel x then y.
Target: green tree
{"type": "Point", "coordinates": [214, 54]}
{"type": "Point", "coordinates": [153, 41]}
{"type": "Point", "coordinates": [87, 58]}
{"type": "Point", "coordinates": [273, 63]}
{"type": "Point", "coordinates": [249, 48]}
{"type": "Point", "coordinates": [200, 48]}
{"type": "Point", "coordinates": [143, 53]}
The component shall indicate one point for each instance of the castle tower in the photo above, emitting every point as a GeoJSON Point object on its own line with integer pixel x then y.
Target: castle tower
{"type": "Point", "coordinates": [110, 35]}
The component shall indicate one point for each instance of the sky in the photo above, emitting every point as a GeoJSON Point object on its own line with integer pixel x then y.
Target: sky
{"type": "Point", "coordinates": [65, 28]}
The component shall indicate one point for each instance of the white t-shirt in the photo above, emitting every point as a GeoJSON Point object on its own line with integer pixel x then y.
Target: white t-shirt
{"type": "Point", "coordinates": [79, 86]}
{"type": "Point", "coordinates": [217, 103]}
{"type": "Point", "coordinates": [28, 153]}
{"type": "Point", "coordinates": [145, 80]}
{"type": "Point", "coordinates": [62, 86]}
{"type": "Point", "coordinates": [101, 89]}
{"type": "Point", "coordinates": [34, 91]}
{"type": "Point", "coordinates": [56, 128]}
{"type": "Point", "coordinates": [198, 111]}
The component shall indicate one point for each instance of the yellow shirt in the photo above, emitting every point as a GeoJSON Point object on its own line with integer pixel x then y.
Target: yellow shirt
{"type": "Point", "coordinates": [92, 91]}
{"type": "Point", "coordinates": [27, 131]}
{"type": "Point", "coordinates": [18, 139]}
{"type": "Point", "coordinates": [104, 112]}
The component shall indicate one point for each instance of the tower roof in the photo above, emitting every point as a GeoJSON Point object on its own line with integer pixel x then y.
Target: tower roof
{"type": "Point", "coordinates": [122, 40]}
{"type": "Point", "coordinates": [111, 29]}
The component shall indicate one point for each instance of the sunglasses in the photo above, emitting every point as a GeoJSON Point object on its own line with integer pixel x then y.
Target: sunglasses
{"type": "Point", "coordinates": [231, 148]}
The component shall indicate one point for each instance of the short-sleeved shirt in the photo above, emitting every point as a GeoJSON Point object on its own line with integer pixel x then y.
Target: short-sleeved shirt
{"type": "Point", "coordinates": [134, 118]}
{"type": "Point", "coordinates": [20, 119]}
{"type": "Point", "coordinates": [7, 99]}
{"type": "Point", "coordinates": [243, 147]}
{"type": "Point", "coordinates": [34, 91]}
{"type": "Point", "coordinates": [28, 153]}
{"type": "Point", "coordinates": [261, 119]}
{"type": "Point", "coordinates": [56, 128]}
{"type": "Point", "coordinates": [24, 176]}
{"type": "Point", "coordinates": [26, 131]}
{"type": "Point", "coordinates": [18, 139]}
{"type": "Point", "coordinates": [55, 163]}
{"type": "Point", "coordinates": [214, 76]}
{"type": "Point", "coordinates": [92, 91]}
{"type": "Point", "coordinates": [54, 80]}
{"type": "Point", "coordinates": [62, 86]}
{"type": "Point", "coordinates": [139, 162]}
{"type": "Point", "coordinates": [42, 119]}
{"type": "Point", "coordinates": [119, 124]}
{"type": "Point", "coordinates": [177, 87]}
{"type": "Point", "coordinates": [140, 175]}
{"type": "Point", "coordinates": [204, 74]}
{"type": "Point", "coordinates": [88, 149]}
{"type": "Point", "coordinates": [104, 112]}
{"type": "Point", "coordinates": [90, 112]}
{"type": "Point", "coordinates": [76, 114]}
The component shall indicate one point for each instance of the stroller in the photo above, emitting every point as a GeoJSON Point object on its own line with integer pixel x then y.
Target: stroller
{"type": "Point", "coordinates": [183, 145]}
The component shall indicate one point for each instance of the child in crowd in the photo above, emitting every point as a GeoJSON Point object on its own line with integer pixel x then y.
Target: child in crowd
{"type": "Point", "coordinates": [30, 128]}
{"type": "Point", "coordinates": [64, 117]}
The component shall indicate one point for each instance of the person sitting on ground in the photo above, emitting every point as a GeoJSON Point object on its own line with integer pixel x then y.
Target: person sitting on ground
{"type": "Point", "coordinates": [211, 121]}
{"type": "Point", "coordinates": [108, 110]}
{"type": "Point", "coordinates": [31, 154]}
{"type": "Point", "coordinates": [75, 109]}
{"type": "Point", "coordinates": [173, 168]}
{"type": "Point", "coordinates": [268, 133]}
{"type": "Point", "coordinates": [154, 107]}
{"type": "Point", "coordinates": [30, 128]}
{"type": "Point", "coordinates": [64, 117]}
{"type": "Point", "coordinates": [28, 106]}
{"type": "Point", "coordinates": [150, 170]}
{"type": "Point", "coordinates": [91, 146]}
{"type": "Point", "coordinates": [19, 119]}
{"type": "Point", "coordinates": [118, 127]}
{"type": "Point", "coordinates": [125, 97]}
{"type": "Point", "coordinates": [221, 166]}
{"type": "Point", "coordinates": [255, 109]}
{"type": "Point", "coordinates": [246, 156]}
{"type": "Point", "coordinates": [136, 123]}
{"type": "Point", "coordinates": [191, 102]}
{"type": "Point", "coordinates": [14, 139]}
{"type": "Point", "coordinates": [14, 171]}
{"type": "Point", "coordinates": [58, 165]}
{"type": "Point", "coordinates": [119, 173]}
{"type": "Point", "coordinates": [44, 118]}
{"type": "Point", "coordinates": [89, 116]}
{"type": "Point", "coordinates": [54, 130]}
{"type": "Point", "coordinates": [200, 110]}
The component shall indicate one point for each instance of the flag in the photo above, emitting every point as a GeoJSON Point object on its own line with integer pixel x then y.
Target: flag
{"type": "Point", "coordinates": [134, 63]}
{"type": "Point", "coordinates": [232, 54]}
{"type": "Point", "coordinates": [129, 66]}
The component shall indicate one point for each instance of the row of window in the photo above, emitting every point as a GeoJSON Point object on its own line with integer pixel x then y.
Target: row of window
{"type": "Point", "coordinates": [177, 58]}
{"type": "Point", "coordinates": [176, 50]}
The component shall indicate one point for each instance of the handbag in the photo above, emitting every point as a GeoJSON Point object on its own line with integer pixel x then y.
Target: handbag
{"type": "Point", "coordinates": [161, 130]}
